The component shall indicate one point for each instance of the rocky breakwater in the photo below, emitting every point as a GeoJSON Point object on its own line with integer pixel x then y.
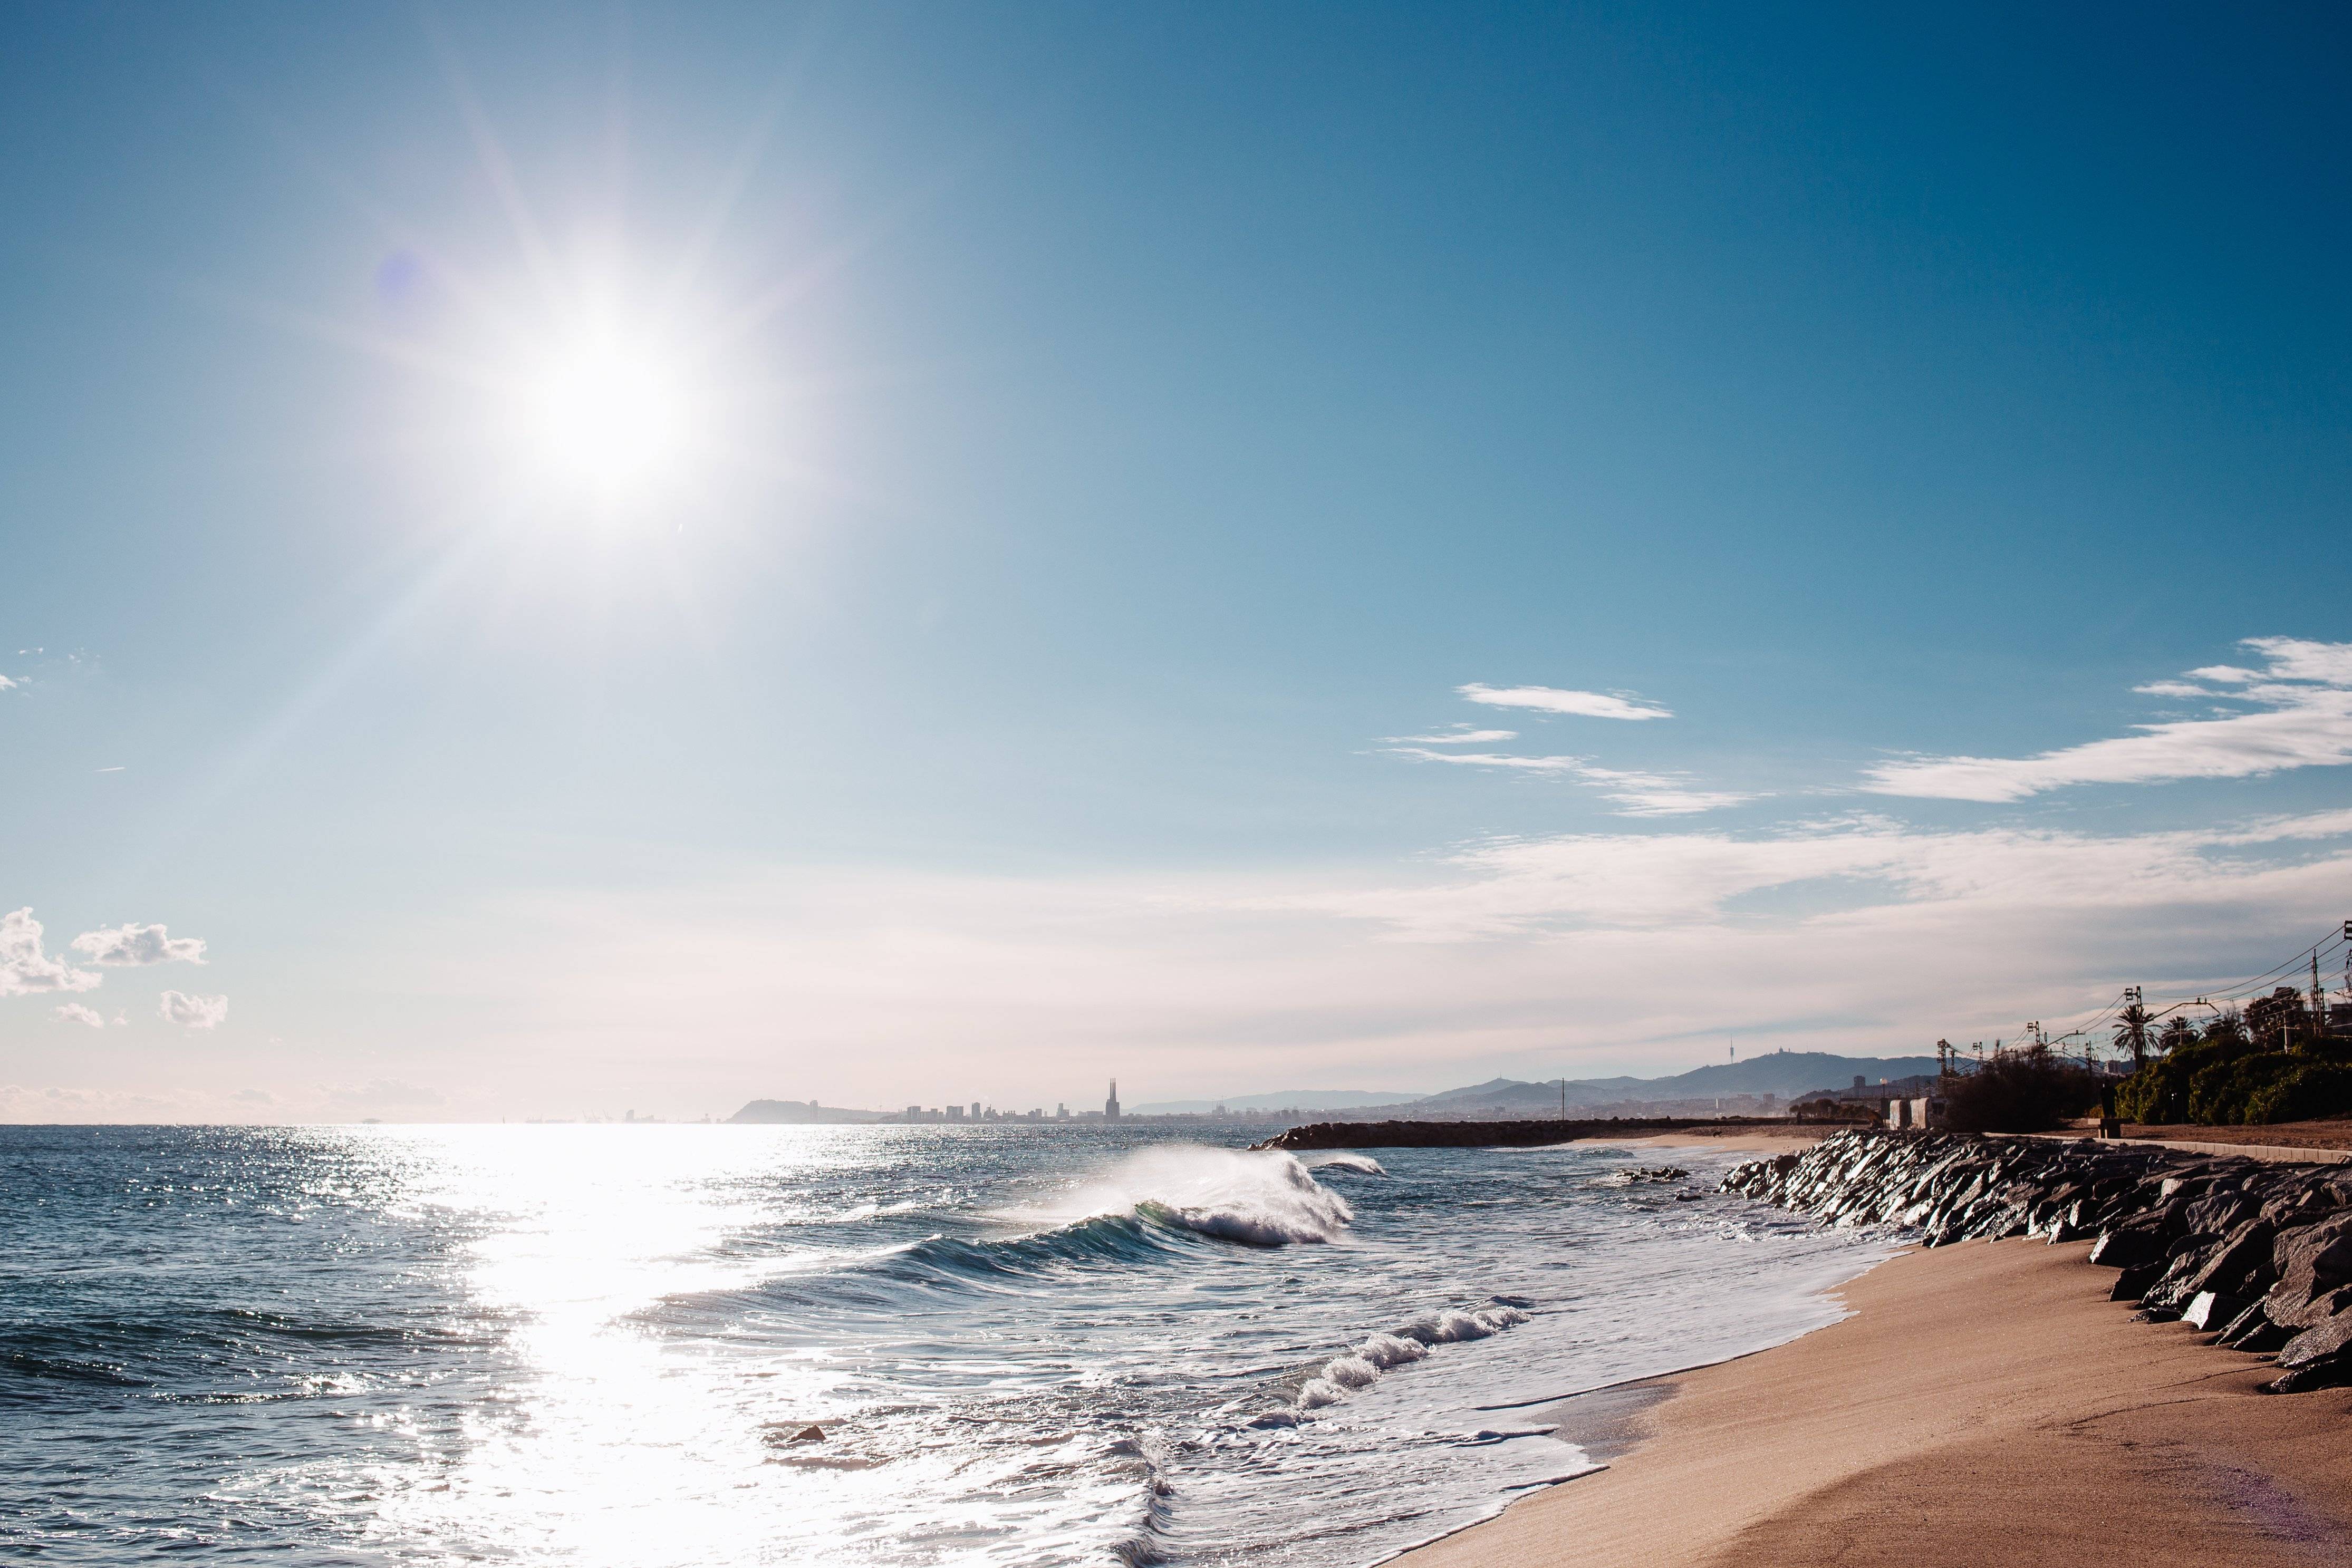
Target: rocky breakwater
{"type": "Point", "coordinates": [2260, 1254]}
{"type": "Point", "coordinates": [1481, 1134]}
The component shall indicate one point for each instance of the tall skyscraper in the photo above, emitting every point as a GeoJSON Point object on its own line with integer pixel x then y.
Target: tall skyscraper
{"type": "Point", "coordinates": [1110, 1106]}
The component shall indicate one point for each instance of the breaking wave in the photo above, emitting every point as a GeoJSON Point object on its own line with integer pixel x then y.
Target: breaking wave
{"type": "Point", "coordinates": [1340, 1160]}
{"type": "Point", "coordinates": [1262, 1198]}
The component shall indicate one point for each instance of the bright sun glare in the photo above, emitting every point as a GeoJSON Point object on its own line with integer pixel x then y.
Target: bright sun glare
{"type": "Point", "coordinates": [606, 417]}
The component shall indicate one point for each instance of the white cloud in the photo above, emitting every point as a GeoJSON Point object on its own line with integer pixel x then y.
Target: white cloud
{"type": "Point", "coordinates": [25, 969]}
{"type": "Point", "coordinates": [194, 1012]}
{"type": "Point", "coordinates": [74, 1012]}
{"type": "Point", "coordinates": [1581, 954]}
{"type": "Point", "coordinates": [1551, 699]}
{"type": "Point", "coordinates": [1642, 882]}
{"type": "Point", "coordinates": [1458, 734]}
{"type": "Point", "coordinates": [1634, 794]}
{"type": "Point", "coordinates": [9, 685]}
{"type": "Point", "coordinates": [2301, 717]}
{"type": "Point", "coordinates": [135, 945]}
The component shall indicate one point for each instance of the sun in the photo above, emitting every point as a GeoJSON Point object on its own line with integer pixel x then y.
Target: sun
{"type": "Point", "coordinates": [606, 417]}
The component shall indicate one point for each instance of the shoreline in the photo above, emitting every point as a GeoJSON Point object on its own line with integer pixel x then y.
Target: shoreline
{"type": "Point", "coordinates": [1981, 1403]}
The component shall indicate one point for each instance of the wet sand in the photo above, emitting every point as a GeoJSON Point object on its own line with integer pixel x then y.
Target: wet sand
{"type": "Point", "coordinates": [1986, 1405]}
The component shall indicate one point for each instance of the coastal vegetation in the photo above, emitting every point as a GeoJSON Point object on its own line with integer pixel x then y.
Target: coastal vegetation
{"type": "Point", "coordinates": [2033, 1089]}
{"type": "Point", "coordinates": [2268, 1064]}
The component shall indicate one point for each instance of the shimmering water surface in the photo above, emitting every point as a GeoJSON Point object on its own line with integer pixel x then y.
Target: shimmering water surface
{"type": "Point", "coordinates": [597, 1345]}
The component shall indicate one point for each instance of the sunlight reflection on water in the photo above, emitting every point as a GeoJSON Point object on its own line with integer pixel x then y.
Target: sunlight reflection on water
{"type": "Point", "coordinates": [593, 1345]}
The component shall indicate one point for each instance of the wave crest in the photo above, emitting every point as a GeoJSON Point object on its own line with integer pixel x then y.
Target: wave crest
{"type": "Point", "coordinates": [1362, 1366]}
{"type": "Point", "coordinates": [1259, 1197]}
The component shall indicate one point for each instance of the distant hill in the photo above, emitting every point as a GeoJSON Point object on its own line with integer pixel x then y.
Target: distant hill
{"type": "Point", "coordinates": [802, 1112]}
{"type": "Point", "coordinates": [1787, 1073]}
{"type": "Point", "coordinates": [1280, 1099]}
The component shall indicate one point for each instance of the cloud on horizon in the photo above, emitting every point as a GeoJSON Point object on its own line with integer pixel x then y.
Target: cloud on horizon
{"type": "Point", "coordinates": [383, 1094]}
{"type": "Point", "coordinates": [2301, 717]}
{"type": "Point", "coordinates": [1553, 699]}
{"type": "Point", "coordinates": [133, 945]}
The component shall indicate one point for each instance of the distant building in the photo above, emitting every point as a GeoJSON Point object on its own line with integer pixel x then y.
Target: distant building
{"type": "Point", "coordinates": [1110, 1106]}
{"type": "Point", "coordinates": [1061, 1112]}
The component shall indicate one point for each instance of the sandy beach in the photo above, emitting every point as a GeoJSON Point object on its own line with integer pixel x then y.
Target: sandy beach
{"type": "Point", "coordinates": [1985, 1405]}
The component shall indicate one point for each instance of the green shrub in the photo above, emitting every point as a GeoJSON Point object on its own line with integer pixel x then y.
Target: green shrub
{"type": "Point", "coordinates": [2162, 1091]}
{"type": "Point", "coordinates": [2225, 1080]}
{"type": "Point", "coordinates": [2309, 1089]}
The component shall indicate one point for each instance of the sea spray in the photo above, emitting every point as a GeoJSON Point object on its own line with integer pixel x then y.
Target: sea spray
{"type": "Point", "coordinates": [1262, 1198]}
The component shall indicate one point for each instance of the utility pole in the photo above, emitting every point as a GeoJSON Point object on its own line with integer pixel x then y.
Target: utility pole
{"type": "Point", "coordinates": [2319, 1000]}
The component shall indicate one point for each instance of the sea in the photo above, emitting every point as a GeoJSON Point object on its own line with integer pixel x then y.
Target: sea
{"type": "Point", "coordinates": [706, 1346]}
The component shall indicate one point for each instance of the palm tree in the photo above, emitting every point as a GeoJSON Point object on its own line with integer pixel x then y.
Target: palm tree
{"type": "Point", "coordinates": [2131, 1034]}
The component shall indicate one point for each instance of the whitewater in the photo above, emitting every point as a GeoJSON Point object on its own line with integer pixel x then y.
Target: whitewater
{"type": "Point", "coordinates": [700, 1345]}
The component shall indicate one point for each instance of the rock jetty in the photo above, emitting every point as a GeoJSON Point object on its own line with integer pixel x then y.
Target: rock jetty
{"type": "Point", "coordinates": [2259, 1254]}
{"type": "Point", "coordinates": [1489, 1135]}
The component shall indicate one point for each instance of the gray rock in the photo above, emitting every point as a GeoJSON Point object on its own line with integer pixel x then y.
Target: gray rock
{"type": "Point", "coordinates": [2128, 1246]}
{"type": "Point", "coordinates": [2321, 1345]}
{"type": "Point", "coordinates": [2134, 1282]}
{"type": "Point", "coordinates": [2211, 1310]}
{"type": "Point", "coordinates": [2312, 1259]}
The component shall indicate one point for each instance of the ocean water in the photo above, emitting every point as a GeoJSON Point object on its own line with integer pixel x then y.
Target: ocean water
{"type": "Point", "coordinates": [600, 1345]}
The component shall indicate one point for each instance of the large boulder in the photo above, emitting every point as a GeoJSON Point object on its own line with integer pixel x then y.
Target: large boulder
{"type": "Point", "coordinates": [2129, 1245]}
{"type": "Point", "coordinates": [2312, 1259]}
{"type": "Point", "coordinates": [2241, 1266]}
{"type": "Point", "coordinates": [2319, 1357]}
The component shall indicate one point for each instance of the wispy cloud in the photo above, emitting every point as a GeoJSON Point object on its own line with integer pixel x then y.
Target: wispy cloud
{"type": "Point", "coordinates": [2296, 713]}
{"type": "Point", "coordinates": [131, 945]}
{"type": "Point", "coordinates": [193, 1012]}
{"type": "Point", "coordinates": [1642, 882]}
{"type": "Point", "coordinates": [1552, 699]}
{"type": "Point", "coordinates": [9, 685]}
{"type": "Point", "coordinates": [74, 1012]}
{"type": "Point", "coordinates": [1634, 794]}
{"type": "Point", "coordinates": [1456, 734]}
{"type": "Point", "coordinates": [26, 969]}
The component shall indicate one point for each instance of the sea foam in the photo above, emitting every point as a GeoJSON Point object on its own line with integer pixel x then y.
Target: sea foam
{"type": "Point", "coordinates": [1362, 1366]}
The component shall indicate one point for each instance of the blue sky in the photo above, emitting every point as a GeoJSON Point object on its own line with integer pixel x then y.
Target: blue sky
{"type": "Point", "coordinates": [1109, 444]}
